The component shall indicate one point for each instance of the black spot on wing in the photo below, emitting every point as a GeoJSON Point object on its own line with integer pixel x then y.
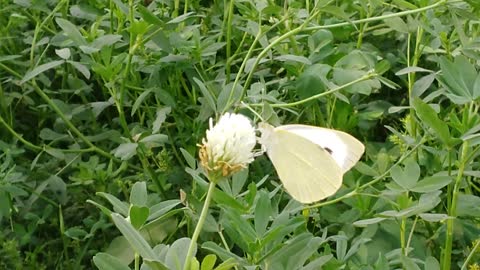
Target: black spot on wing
{"type": "Point", "coordinates": [328, 150]}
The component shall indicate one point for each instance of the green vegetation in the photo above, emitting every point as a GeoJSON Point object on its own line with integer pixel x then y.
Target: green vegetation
{"type": "Point", "coordinates": [103, 104]}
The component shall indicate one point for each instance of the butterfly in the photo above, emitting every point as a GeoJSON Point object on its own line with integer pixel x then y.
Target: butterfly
{"type": "Point", "coordinates": [310, 161]}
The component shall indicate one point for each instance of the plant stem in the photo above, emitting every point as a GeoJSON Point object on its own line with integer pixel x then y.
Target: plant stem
{"type": "Point", "coordinates": [474, 250]}
{"type": "Point", "coordinates": [19, 137]}
{"type": "Point", "coordinates": [331, 91]}
{"type": "Point", "coordinates": [364, 186]}
{"type": "Point", "coordinates": [376, 18]}
{"type": "Point", "coordinates": [403, 228]}
{"type": "Point", "coordinates": [229, 39]}
{"type": "Point", "coordinates": [198, 228]}
{"type": "Point", "coordinates": [137, 261]}
{"type": "Point", "coordinates": [452, 211]}
{"type": "Point", "coordinates": [62, 234]}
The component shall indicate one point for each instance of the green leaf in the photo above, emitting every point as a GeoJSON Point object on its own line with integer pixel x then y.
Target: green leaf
{"type": "Point", "coordinates": [105, 261]}
{"type": "Point", "coordinates": [430, 118]}
{"type": "Point", "coordinates": [431, 263]}
{"type": "Point", "coordinates": [138, 215]}
{"type": "Point", "coordinates": [434, 217]}
{"type": "Point", "coordinates": [140, 100]}
{"type": "Point", "coordinates": [476, 88]}
{"type": "Point", "coordinates": [318, 262]}
{"type": "Point", "coordinates": [300, 247]}
{"type": "Point", "coordinates": [154, 140]}
{"type": "Point", "coordinates": [50, 135]}
{"type": "Point", "coordinates": [57, 153]}
{"type": "Point", "coordinates": [408, 263]}
{"type": "Point", "coordinates": [148, 16]}
{"type": "Point", "coordinates": [468, 205]}
{"type": "Point", "coordinates": [366, 222]}
{"type": "Point", "coordinates": [263, 212]}
{"type": "Point", "coordinates": [228, 264]}
{"type": "Point", "coordinates": [404, 4]}
{"type": "Point", "coordinates": [313, 80]}
{"type": "Point", "coordinates": [104, 209]}
{"type": "Point", "coordinates": [105, 41]}
{"type": "Point", "coordinates": [432, 183]}
{"type": "Point", "coordinates": [238, 226]}
{"type": "Point", "coordinates": [81, 68]}
{"type": "Point", "coordinates": [118, 206]}
{"type": "Point", "coordinates": [206, 94]}
{"type": "Point", "coordinates": [63, 53]}
{"type": "Point", "coordinates": [76, 233]}
{"type": "Point", "coordinates": [160, 119]}
{"type": "Point", "coordinates": [412, 69]}
{"type": "Point", "coordinates": [138, 27]}
{"type": "Point", "coordinates": [191, 161]}
{"type": "Point", "coordinates": [381, 263]}
{"type": "Point", "coordinates": [162, 208]}
{"type": "Point", "coordinates": [176, 254]}
{"type": "Point", "coordinates": [138, 195]}
{"type": "Point", "coordinates": [397, 24]}
{"type": "Point", "coordinates": [125, 151]}
{"type": "Point", "coordinates": [458, 78]}
{"type": "Point", "coordinates": [71, 31]}
{"type": "Point", "coordinates": [224, 96]}
{"type": "Point", "coordinates": [40, 69]}
{"type": "Point", "coordinates": [238, 181]}
{"type": "Point", "coordinates": [408, 177]}
{"type": "Point", "coordinates": [4, 58]}
{"type": "Point", "coordinates": [219, 196]}
{"type": "Point", "coordinates": [293, 58]}
{"type": "Point", "coordinates": [222, 252]}
{"type": "Point", "coordinates": [208, 262]}
{"type": "Point", "coordinates": [427, 202]}
{"type": "Point", "coordinates": [341, 246]}
{"type": "Point", "coordinates": [134, 238]}
{"type": "Point", "coordinates": [121, 6]}
{"type": "Point", "coordinates": [182, 18]}
{"type": "Point", "coordinates": [422, 84]}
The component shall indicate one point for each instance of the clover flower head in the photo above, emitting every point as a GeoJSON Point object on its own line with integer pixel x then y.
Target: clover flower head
{"type": "Point", "coordinates": [228, 145]}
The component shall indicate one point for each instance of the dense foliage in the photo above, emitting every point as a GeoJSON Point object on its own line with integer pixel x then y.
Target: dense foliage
{"type": "Point", "coordinates": [103, 102]}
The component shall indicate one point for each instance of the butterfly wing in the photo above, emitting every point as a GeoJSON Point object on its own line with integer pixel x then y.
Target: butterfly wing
{"type": "Point", "coordinates": [307, 171]}
{"type": "Point", "coordinates": [345, 149]}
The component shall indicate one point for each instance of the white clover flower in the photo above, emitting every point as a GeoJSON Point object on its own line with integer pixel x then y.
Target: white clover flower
{"type": "Point", "coordinates": [228, 146]}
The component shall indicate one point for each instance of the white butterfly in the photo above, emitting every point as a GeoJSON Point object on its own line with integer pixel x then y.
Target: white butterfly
{"type": "Point", "coordinates": [310, 161]}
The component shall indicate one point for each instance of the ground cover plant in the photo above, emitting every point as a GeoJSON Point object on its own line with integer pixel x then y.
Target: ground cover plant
{"type": "Point", "coordinates": [105, 105]}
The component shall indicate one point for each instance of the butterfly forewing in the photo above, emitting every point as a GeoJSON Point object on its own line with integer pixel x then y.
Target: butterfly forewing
{"type": "Point", "coordinates": [345, 149]}
{"type": "Point", "coordinates": [308, 172]}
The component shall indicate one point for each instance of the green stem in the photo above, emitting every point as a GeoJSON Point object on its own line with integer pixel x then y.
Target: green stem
{"type": "Point", "coordinates": [364, 186]}
{"type": "Point", "coordinates": [244, 63]}
{"type": "Point", "coordinates": [377, 18]}
{"type": "Point", "coordinates": [70, 125]}
{"type": "Point", "coordinates": [292, 104]}
{"type": "Point", "coordinates": [137, 261]}
{"type": "Point", "coordinates": [413, 62]}
{"type": "Point", "coordinates": [28, 144]}
{"type": "Point", "coordinates": [303, 28]}
{"type": "Point", "coordinates": [62, 234]}
{"type": "Point", "coordinates": [264, 52]}
{"type": "Point", "coordinates": [119, 102]}
{"type": "Point", "coordinates": [452, 211]}
{"type": "Point", "coordinates": [474, 250]}
{"type": "Point", "coordinates": [403, 228]}
{"type": "Point", "coordinates": [198, 228]}
{"type": "Point", "coordinates": [229, 39]}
